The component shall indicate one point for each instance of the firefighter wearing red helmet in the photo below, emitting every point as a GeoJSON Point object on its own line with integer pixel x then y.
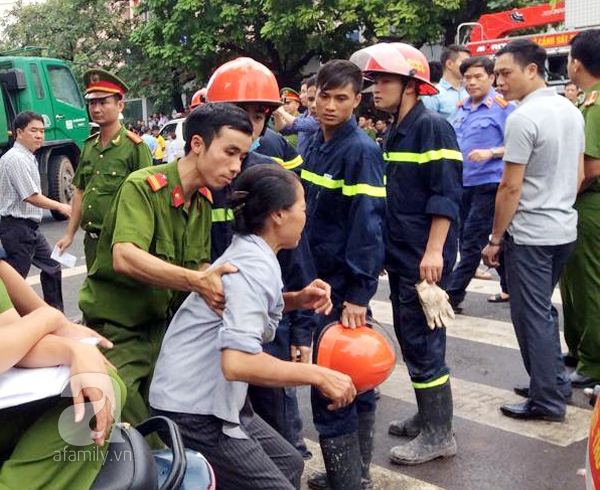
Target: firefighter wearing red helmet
{"type": "Point", "coordinates": [423, 200]}
{"type": "Point", "coordinates": [250, 84]}
{"type": "Point", "coordinates": [198, 98]}
{"type": "Point", "coordinates": [253, 87]}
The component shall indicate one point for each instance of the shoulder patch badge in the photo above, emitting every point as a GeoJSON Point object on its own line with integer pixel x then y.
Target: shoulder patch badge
{"type": "Point", "coordinates": [134, 137]}
{"type": "Point", "coordinates": [205, 191]}
{"type": "Point", "coordinates": [157, 182]}
{"type": "Point", "coordinates": [591, 99]}
{"type": "Point", "coordinates": [501, 101]}
{"type": "Point", "coordinates": [177, 196]}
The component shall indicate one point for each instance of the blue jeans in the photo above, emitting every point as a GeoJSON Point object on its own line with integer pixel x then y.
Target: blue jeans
{"type": "Point", "coordinates": [532, 273]}
{"type": "Point", "coordinates": [477, 216]}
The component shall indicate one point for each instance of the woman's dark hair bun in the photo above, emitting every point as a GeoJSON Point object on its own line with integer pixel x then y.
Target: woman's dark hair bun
{"type": "Point", "coordinates": [258, 192]}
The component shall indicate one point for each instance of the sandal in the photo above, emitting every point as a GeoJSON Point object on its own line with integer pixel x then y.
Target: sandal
{"type": "Point", "coordinates": [498, 298]}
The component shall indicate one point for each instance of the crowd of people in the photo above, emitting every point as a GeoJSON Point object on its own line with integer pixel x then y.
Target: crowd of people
{"type": "Point", "coordinates": [210, 276]}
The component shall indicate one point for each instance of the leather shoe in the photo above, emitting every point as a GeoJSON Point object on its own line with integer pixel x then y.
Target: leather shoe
{"type": "Point", "coordinates": [579, 380]}
{"type": "Point", "coordinates": [526, 411]}
{"type": "Point", "coordinates": [569, 360]}
{"type": "Point", "coordinates": [524, 392]}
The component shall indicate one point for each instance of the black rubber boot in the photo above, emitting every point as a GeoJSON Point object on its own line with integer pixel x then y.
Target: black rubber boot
{"type": "Point", "coordinates": [341, 456]}
{"type": "Point", "coordinates": [436, 439]}
{"type": "Point", "coordinates": [410, 427]}
{"type": "Point", "coordinates": [366, 433]}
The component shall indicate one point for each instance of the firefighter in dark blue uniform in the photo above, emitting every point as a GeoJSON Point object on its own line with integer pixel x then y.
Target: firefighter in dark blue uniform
{"type": "Point", "coordinates": [256, 91]}
{"type": "Point", "coordinates": [423, 201]}
{"type": "Point", "coordinates": [345, 197]}
{"type": "Point", "coordinates": [279, 149]}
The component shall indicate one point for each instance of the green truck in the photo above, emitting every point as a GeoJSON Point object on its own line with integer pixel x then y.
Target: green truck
{"type": "Point", "coordinates": [48, 87]}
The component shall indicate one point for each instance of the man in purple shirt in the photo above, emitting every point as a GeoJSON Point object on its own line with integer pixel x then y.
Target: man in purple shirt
{"type": "Point", "coordinates": [479, 125]}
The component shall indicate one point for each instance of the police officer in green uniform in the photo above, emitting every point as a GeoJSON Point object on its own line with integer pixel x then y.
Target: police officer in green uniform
{"type": "Point", "coordinates": [155, 242]}
{"type": "Point", "coordinates": [580, 280]}
{"type": "Point", "coordinates": [107, 159]}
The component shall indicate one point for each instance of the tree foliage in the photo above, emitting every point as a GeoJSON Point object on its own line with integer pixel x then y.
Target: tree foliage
{"type": "Point", "coordinates": [86, 32]}
{"type": "Point", "coordinates": [176, 44]}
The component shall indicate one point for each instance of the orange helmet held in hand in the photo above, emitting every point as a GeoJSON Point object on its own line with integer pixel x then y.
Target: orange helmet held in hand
{"type": "Point", "coordinates": [198, 98]}
{"type": "Point", "coordinates": [243, 80]}
{"type": "Point", "coordinates": [396, 59]}
{"type": "Point", "coordinates": [362, 353]}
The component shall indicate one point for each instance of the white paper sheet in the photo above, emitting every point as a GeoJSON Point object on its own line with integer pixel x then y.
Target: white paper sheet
{"type": "Point", "coordinates": [66, 258]}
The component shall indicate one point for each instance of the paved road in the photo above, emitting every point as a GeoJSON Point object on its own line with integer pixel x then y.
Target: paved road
{"type": "Point", "coordinates": [495, 453]}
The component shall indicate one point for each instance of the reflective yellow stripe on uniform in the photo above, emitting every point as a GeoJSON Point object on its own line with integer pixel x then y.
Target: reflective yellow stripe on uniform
{"type": "Point", "coordinates": [221, 215]}
{"type": "Point", "coordinates": [289, 164]}
{"type": "Point", "coordinates": [432, 384]}
{"type": "Point", "coordinates": [421, 158]}
{"type": "Point", "coordinates": [347, 190]}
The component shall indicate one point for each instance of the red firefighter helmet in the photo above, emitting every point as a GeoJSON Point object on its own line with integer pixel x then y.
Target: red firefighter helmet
{"type": "Point", "coordinates": [243, 80]}
{"type": "Point", "coordinates": [397, 59]}
{"type": "Point", "coordinates": [198, 98]}
{"type": "Point", "coordinates": [362, 353]}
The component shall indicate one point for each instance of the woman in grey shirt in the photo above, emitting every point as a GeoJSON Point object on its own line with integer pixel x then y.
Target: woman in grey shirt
{"type": "Point", "coordinates": [206, 361]}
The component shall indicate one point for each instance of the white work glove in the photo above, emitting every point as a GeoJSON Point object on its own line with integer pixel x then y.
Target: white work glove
{"type": "Point", "coordinates": [436, 305]}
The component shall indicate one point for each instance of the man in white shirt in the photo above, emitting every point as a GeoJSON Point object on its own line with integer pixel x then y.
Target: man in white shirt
{"type": "Point", "coordinates": [535, 222]}
{"type": "Point", "coordinates": [22, 204]}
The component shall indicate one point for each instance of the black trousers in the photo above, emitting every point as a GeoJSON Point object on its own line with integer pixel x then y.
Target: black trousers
{"type": "Point", "coordinates": [25, 245]}
{"type": "Point", "coordinates": [263, 461]}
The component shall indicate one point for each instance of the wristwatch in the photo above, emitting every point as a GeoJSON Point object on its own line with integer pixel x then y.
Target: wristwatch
{"type": "Point", "coordinates": [495, 244]}
{"type": "Point", "coordinates": [496, 152]}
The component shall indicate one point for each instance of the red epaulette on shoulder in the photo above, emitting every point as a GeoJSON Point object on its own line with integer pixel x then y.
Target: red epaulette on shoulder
{"type": "Point", "coordinates": [205, 191]}
{"type": "Point", "coordinates": [462, 102]}
{"type": "Point", "coordinates": [591, 99]}
{"type": "Point", "coordinates": [157, 182]}
{"type": "Point", "coordinates": [501, 101]}
{"type": "Point", "coordinates": [134, 137]}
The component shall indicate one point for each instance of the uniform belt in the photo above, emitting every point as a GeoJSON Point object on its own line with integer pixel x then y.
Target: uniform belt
{"type": "Point", "coordinates": [26, 221]}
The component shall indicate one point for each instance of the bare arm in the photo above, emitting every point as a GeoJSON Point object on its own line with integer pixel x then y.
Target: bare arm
{"type": "Point", "coordinates": [432, 263]}
{"type": "Point", "coordinates": [282, 119]}
{"type": "Point", "coordinates": [89, 377]}
{"type": "Point", "coordinates": [22, 295]}
{"type": "Point", "coordinates": [265, 370]}
{"type": "Point", "coordinates": [44, 202]}
{"type": "Point", "coordinates": [74, 221]}
{"type": "Point", "coordinates": [507, 198]}
{"type": "Point", "coordinates": [507, 202]}
{"type": "Point", "coordinates": [18, 335]}
{"type": "Point", "coordinates": [134, 262]}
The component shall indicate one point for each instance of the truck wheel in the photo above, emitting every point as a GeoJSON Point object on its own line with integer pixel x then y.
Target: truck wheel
{"type": "Point", "coordinates": [60, 182]}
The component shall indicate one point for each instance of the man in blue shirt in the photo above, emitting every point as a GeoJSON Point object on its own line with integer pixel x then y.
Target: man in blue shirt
{"type": "Point", "coordinates": [450, 88]}
{"type": "Point", "coordinates": [304, 125]}
{"type": "Point", "coordinates": [479, 125]}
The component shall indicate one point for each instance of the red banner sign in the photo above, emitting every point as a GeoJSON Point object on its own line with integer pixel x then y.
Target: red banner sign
{"type": "Point", "coordinates": [547, 41]}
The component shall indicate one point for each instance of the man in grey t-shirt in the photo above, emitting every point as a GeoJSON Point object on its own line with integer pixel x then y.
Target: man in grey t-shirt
{"type": "Point", "coordinates": [535, 222]}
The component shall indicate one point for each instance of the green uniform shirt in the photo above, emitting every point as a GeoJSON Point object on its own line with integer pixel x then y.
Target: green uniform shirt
{"type": "Point", "coordinates": [101, 172]}
{"type": "Point", "coordinates": [5, 302]}
{"type": "Point", "coordinates": [157, 221]}
{"type": "Point", "coordinates": [591, 113]}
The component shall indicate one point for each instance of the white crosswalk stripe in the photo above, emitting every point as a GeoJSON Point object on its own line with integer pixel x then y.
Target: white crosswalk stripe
{"type": "Point", "coordinates": [490, 287]}
{"type": "Point", "coordinates": [475, 329]}
{"type": "Point", "coordinates": [480, 403]}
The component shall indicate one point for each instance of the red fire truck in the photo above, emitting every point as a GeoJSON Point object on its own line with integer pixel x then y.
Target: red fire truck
{"type": "Point", "coordinates": [559, 22]}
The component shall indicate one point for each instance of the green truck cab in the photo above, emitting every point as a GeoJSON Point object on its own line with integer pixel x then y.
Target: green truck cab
{"type": "Point", "coordinates": [48, 87]}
